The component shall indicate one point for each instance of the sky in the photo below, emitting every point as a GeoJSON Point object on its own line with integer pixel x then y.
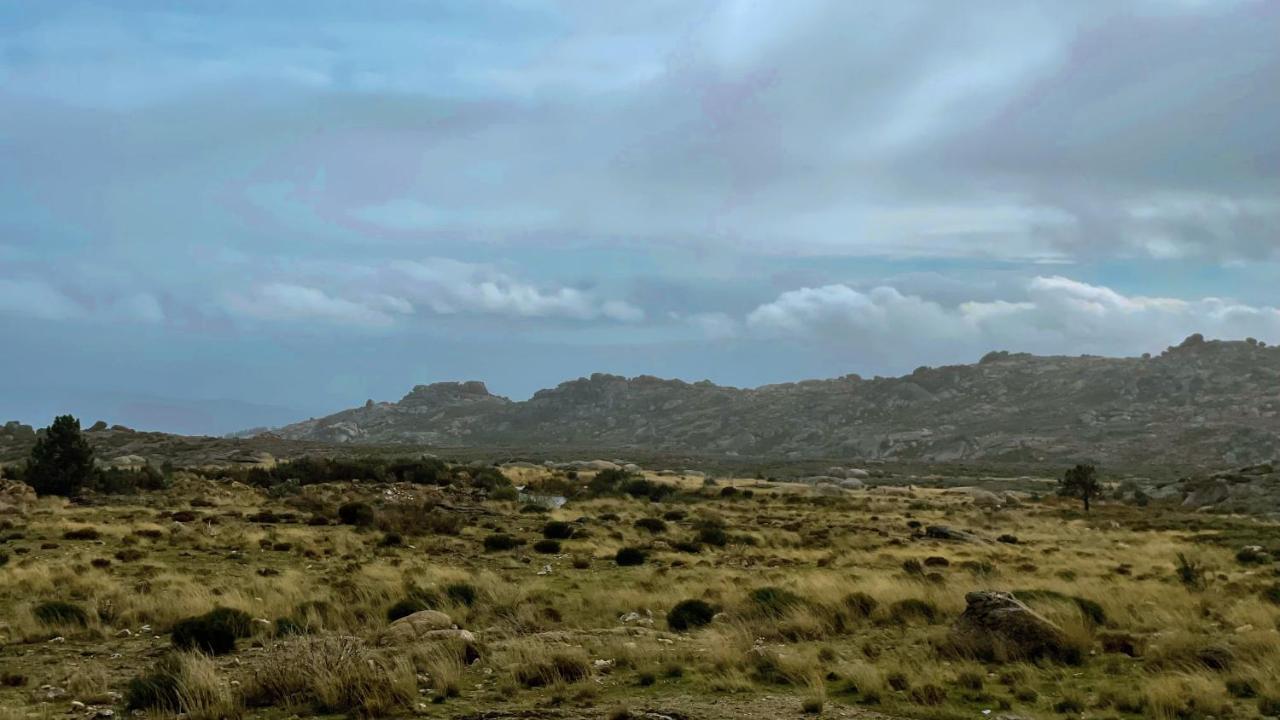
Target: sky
{"type": "Point", "coordinates": [220, 215]}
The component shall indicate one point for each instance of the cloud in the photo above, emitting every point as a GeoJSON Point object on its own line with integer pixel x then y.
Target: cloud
{"type": "Point", "coordinates": [1054, 314]}
{"type": "Point", "coordinates": [283, 301]}
{"type": "Point", "coordinates": [36, 300]}
{"type": "Point", "coordinates": [452, 287]}
{"type": "Point", "coordinates": [378, 295]}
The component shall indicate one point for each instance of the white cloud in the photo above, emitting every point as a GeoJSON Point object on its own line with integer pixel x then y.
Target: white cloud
{"type": "Point", "coordinates": [283, 301]}
{"type": "Point", "coordinates": [452, 287]}
{"type": "Point", "coordinates": [1055, 314]}
{"type": "Point", "coordinates": [36, 299]}
{"type": "Point", "coordinates": [377, 295]}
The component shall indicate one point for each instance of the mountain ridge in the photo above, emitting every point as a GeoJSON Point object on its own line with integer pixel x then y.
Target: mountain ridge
{"type": "Point", "coordinates": [1200, 401]}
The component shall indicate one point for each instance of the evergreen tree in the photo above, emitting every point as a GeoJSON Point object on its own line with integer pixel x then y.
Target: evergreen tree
{"type": "Point", "coordinates": [62, 461]}
{"type": "Point", "coordinates": [1080, 482]}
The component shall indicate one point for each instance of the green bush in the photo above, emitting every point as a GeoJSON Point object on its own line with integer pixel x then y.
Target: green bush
{"type": "Point", "coordinates": [357, 513]}
{"type": "Point", "coordinates": [501, 541]}
{"type": "Point", "coordinates": [57, 613]}
{"type": "Point", "coordinates": [713, 535]}
{"type": "Point", "coordinates": [214, 633]}
{"type": "Point", "coordinates": [774, 601]}
{"type": "Point", "coordinates": [157, 689]}
{"type": "Point", "coordinates": [61, 462]}
{"type": "Point", "coordinates": [653, 525]}
{"type": "Point", "coordinates": [690, 614]}
{"type": "Point", "coordinates": [557, 530]}
{"type": "Point", "coordinates": [547, 547]}
{"type": "Point", "coordinates": [84, 533]}
{"type": "Point", "coordinates": [861, 603]}
{"type": "Point", "coordinates": [909, 609]}
{"type": "Point", "coordinates": [630, 556]}
{"type": "Point", "coordinates": [461, 593]}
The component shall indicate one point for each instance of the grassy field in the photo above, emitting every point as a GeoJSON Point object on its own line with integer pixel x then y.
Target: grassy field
{"type": "Point", "coordinates": [832, 606]}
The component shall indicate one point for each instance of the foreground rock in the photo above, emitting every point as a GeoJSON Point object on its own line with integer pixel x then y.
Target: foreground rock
{"type": "Point", "coordinates": [996, 626]}
{"type": "Point", "coordinates": [942, 532]}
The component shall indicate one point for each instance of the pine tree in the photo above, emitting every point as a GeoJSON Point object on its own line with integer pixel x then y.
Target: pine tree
{"type": "Point", "coordinates": [1081, 482]}
{"type": "Point", "coordinates": [62, 461]}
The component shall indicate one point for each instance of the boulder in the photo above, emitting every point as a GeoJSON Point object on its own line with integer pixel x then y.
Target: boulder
{"type": "Point", "coordinates": [251, 457]}
{"type": "Point", "coordinates": [127, 461]}
{"type": "Point", "coordinates": [985, 498]}
{"type": "Point", "coordinates": [996, 626]}
{"type": "Point", "coordinates": [851, 484]}
{"type": "Point", "coordinates": [943, 532]}
{"type": "Point", "coordinates": [417, 626]}
{"type": "Point", "coordinates": [827, 490]}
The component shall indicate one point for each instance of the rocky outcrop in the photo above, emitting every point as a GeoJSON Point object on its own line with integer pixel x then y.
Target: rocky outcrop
{"type": "Point", "coordinates": [997, 626]}
{"type": "Point", "coordinates": [1201, 403]}
{"type": "Point", "coordinates": [1249, 489]}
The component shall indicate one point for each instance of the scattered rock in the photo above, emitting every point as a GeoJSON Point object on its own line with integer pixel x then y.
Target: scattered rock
{"type": "Point", "coordinates": [942, 532]}
{"type": "Point", "coordinates": [997, 626]}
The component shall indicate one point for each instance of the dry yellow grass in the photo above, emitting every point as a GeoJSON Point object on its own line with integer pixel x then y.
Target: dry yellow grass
{"type": "Point", "coordinates": [560, 634]}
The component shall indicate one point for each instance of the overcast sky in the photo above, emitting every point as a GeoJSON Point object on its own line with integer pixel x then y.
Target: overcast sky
{"type": "Point", "coordinates": [216, 215]}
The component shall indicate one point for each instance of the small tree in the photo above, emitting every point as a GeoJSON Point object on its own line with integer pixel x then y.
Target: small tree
{"type": "Point", "coordinates": [1081, 482]}
{"type": "Point", "coordinates": [62, 461]}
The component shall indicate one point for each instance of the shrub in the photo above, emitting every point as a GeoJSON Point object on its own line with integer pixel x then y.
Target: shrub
{"type": "Point", "coordinates": [673, 515]}
{"type": "Point", "coordinates": [461, 593]}
{"type": "Point", "coordinates": [84, 533]}
{"type": "Point", "coordinates": [214, 633]}
{"type": "Point", "coordinates": [911, 609]}
{"type": "Point", "coordinates": [774, 601]}
{"type": "Point", "coordinates": [559, 666]}
{"type": "Point", "coordinates": [57, 613]}
{"type": "Point", "coordinates": [629, 556]}
{"type": "Point", "coordinates": [391, 539]}
{"type": "Point", "coordinates": [547, 547]}
{"type": "Point", "coordinates": [861, 603]}
{"type": "Point", "coordinates": [333, 675]}
{"type": "Point", "coordinates": [416, 519]}
{"type": "Point", "coordinates": [1091, 610]}
{"type": "Point", "coordinates": [687, 546]}
{"type": "Point", "coordinates": [713, 535]}
{"type": "Point", "coordinates": [653, 525]}
{"type": "Point", "coordinates": [912, 567]}
{"type": "Point", "coordinates": [356, 513]}
{"type": "Point", "coordinates": [61, 461]}
{"type": "Point", "coordinates": [690, 614]}
{"type": "Point", "coordinates": [608, 482]}
{"type": "Point", "coordinates": [158, 689]}
{"type": "Point", "coordinates": [1271, 594]}
{"type": "Point", "coordinates": [1191, 573]}
{"type": "Point", "coordinates": [557, 530]}
{"type": "Point", "coordinates": [931, 695]}
{"type": "Point", "coordinates": [501, 541]}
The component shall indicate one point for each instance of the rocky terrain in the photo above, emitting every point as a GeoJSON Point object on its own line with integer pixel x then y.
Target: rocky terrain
{"type": "Point", "coordinates": [1202, 403]}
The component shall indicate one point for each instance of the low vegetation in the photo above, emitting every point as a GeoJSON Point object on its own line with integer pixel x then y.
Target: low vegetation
{"type": "Point", "coordinates": [427, 589]}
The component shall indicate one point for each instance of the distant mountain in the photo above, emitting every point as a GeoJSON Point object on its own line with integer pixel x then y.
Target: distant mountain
{"type": "Point", "coordinates": [1209, 402]}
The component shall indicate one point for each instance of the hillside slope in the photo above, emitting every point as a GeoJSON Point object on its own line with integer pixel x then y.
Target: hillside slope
{"type": "Point", "coordinates": [1202, 402]}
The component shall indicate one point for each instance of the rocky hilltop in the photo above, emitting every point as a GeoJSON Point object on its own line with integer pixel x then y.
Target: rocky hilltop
{"type": "Point", "coordinates": [1202, 402]}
